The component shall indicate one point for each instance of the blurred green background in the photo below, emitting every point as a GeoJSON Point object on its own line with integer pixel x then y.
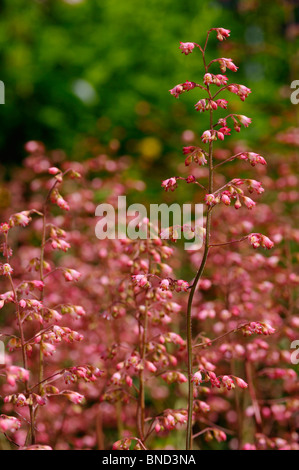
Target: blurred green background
{"type": "Point", "coordinates": [78, 70]}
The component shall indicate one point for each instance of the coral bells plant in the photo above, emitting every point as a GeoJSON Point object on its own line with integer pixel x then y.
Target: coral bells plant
{"type": "Point", "coordinates": [233, 192]}
{"type": "Point", "coordinates": [39, 322]}
{"type": "Point", "coordinates": [154, 352]}
{"type": "Point", "coordinates": [108, 343]}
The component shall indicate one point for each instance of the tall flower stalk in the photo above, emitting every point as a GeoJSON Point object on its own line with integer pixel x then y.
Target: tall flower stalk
{"type": "Point", "coordinates": [230, 192]}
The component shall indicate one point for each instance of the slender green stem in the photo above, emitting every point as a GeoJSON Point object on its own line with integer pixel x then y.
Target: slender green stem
{"type": "Point", "coordinates": [41, 356]}
{"type": "Point", "coordinates": [31, 433]}
{"type": "Point", "coordinates": [142, 381]}
{"type": "Point", "coordinates": [194, 285]}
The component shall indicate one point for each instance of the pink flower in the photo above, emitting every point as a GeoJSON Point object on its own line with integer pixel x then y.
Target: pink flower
{"type": "Point", "coordinates": [257, 240]}
{"type": "Point", "coordinates": [211, 105]}
{"type": "Point", "coordinates": [14, 373]}
{"type": "Point", "coordinates": [56, 198]}
{"type": "Point", "coordinates": [196, 154]}
{"type": "Point", "coordinates": [164, 284]}
{"type": "Point", "coordinates": [54, 171]}
{"type": "Point", "coordinates": [74, 397]}
{"type": "Point", "coordinates": [177, 91]}
{"type": "Point", "coordinates": [20, 400]}
{"type": "Point", "coordinates": [62, 204]}
{"type": "Point", "coordinates": [182, 286]}
{"type": "Point", "coordinates": [244, 120]}
{"type": "Point", "coordinates": [218, 80]}
{"type": "Point", "coordinates": [48, 349]}
{"type": "Point", "coordinates": [9, 424]}
{"type": "Point", "coordinates": [140, 280]}
{"type": "Point", "coordinates": [4, 228]}
{"type": "Point", "coordinates": [187, 86]}
{"type": "Point", "coordinates": [222, 103]}
{"type": "Point", "coordinates": [174, 377]}
{"type": "Point", "coordinates": [21, 218]}
{"type": "Point", "coordinates": [170, 184]}
{"type": "Point", "coordinates": [222, 132]}
{"type": "Point", "coordinates": [6, 269]}
{"type": "Point", "coordinates": [225, 199]}
{"type": "Point", "coordinates": [241, 383]}
{"type": "Point", "coordinates": [208, 136]}
{"type": "Point", "coordinates": [190, 179]}
{"type": "Point", "coordinates": [253, 158]}
{"type": "Point", "coordinates": [197, 378]}
{"type": "Point", "coordinates": [222, 33]}
{"type": "Point", "coordinates": [240, 90]}
{"type": "Point", "coordinates": [256, 186]}
{"type": "Point", "coordinates": [71, 275]}
{"type": "Point", "coordinates": [210, 199]}
{"type": "Point", "coordinates": [60, 245]}
{"type": "Point", "coordinates": [187, 47]}
{"type": "Point", "coordinates": [267, 243]}
{"type": "Point", "coordinates": [226, 63]}
{"type": "Point", "coordinates": [116, 378]}
{"type": "Point", "coordinates": [249, 203]}
{"type": "Point", "coordinates": [200, 105]}
{"type": "Point", "coordinates": [38, 285]}
{"type": "Point", "coordinates": [150, 367]}
{"type": "Point", "coordinates": [208, 78]}
{"type": "Point", "coordinates": [228, 382]}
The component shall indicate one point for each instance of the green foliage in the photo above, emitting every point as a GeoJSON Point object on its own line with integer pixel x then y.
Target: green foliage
{"type": "Point", "coordinates": [118, 54]}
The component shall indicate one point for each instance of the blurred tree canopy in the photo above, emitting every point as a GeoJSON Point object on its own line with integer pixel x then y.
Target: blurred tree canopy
{"type": "Point", "coordinates": [103, 68]}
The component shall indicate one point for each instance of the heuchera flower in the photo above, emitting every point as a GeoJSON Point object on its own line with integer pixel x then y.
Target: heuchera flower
{"type": "Point", "coordinates": [257, 240]}
{"type": "Point", "coordinates": [54, 171]}
{"type": "Point", "coordinates": [200, 105]}
{"type": "Point", "coordinates": [187, 47]}
{"type": "Point", "coordinates": [253, 158]}
{"type": "Point", "coordinates": [226, 63]}
{"type": "Point", "coordinates": [9, 424]}
{"type": "Point", "coordinates": [241, 90]}
{"type": "Point", "coordinates": [6, 269]}
{"type": "Point", "coordinates": [197, 378]}
{"type": "Point", "coordinates": [222, 33]}
{"type": "Point", "coordinates": [170, 184]}
{"type": "Point", "coordinates": [21, 218]}
{"type": "Point", "coordinates": [71, 275]}
{"type": "Point", "coordinates": [56, 198]}
{"type": "Point", "coordinates": [177, 91]}
{"type": "Point", "coordinates": [74, 397]}
{"type": "Point", "coordinates": [174, 377]}
{"type": "Point", "coordinates": [4, 228]}
{"type": "Point", "coordinates": [219, 80]}
{"type": "Point", "coordinates": [196, 154]}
